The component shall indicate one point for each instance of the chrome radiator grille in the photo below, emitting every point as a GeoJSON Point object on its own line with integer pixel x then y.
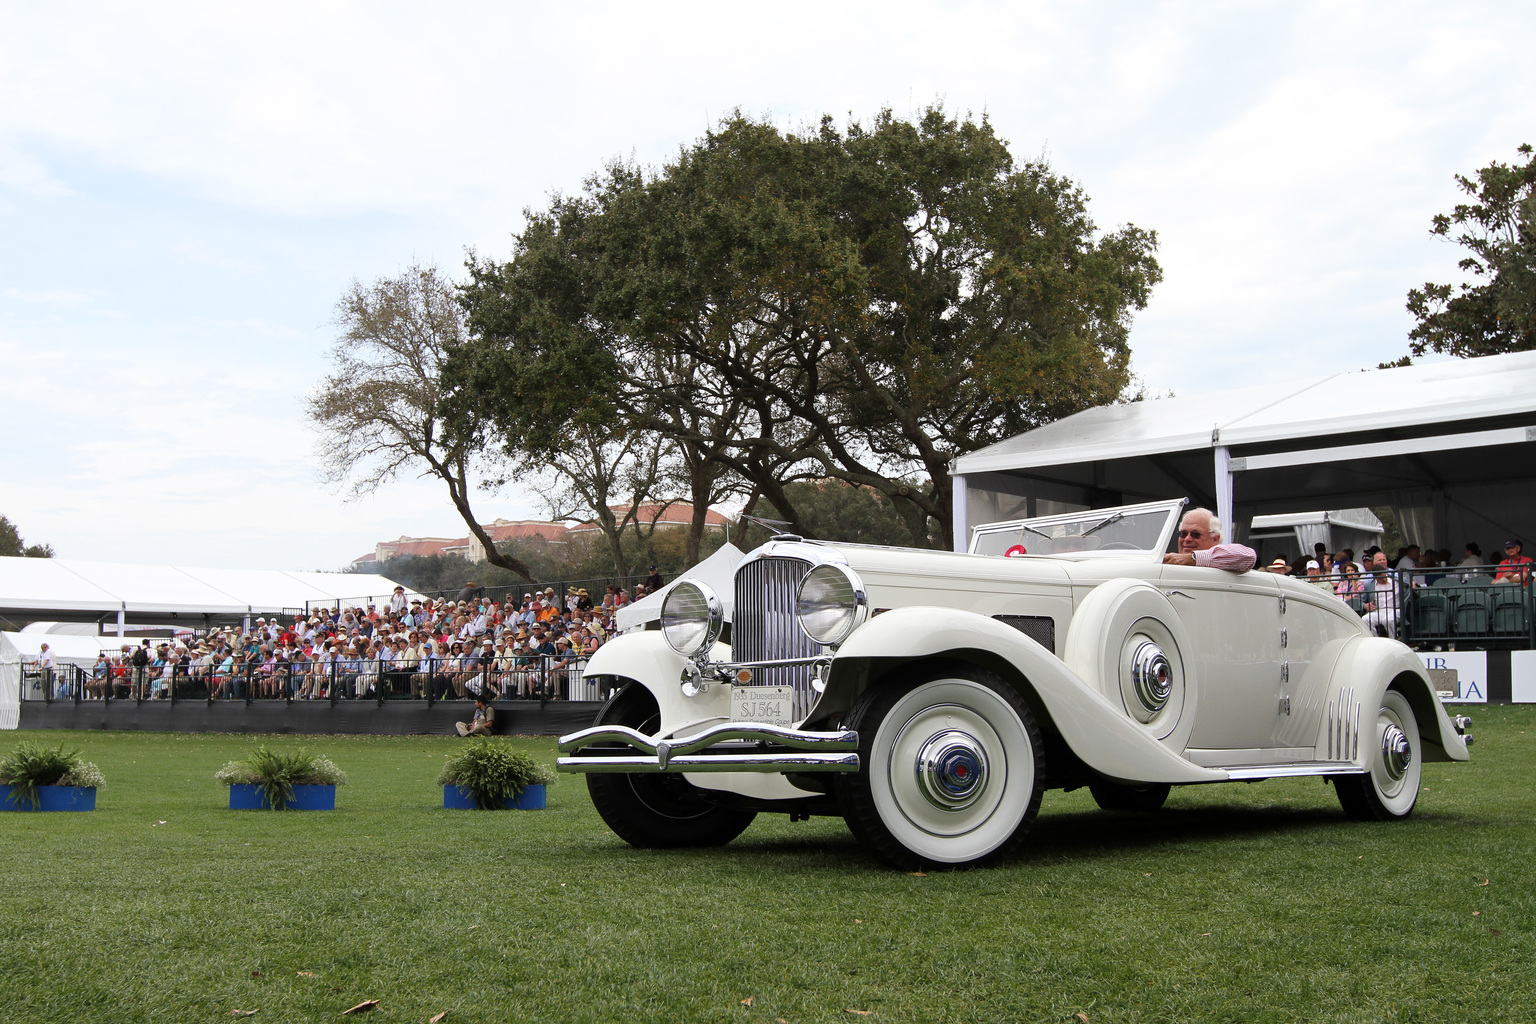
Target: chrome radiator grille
{"type": "Point", "coordinates": [764, 627]}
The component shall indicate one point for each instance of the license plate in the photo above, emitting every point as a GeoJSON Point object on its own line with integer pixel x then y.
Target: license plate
{"type": "Point", "coordinates": [774, 705]}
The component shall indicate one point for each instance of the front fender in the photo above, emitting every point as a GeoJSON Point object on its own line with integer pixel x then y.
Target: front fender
{"type": "Point", "coordinates": [646, 658]}
{"type": "Point", "coordinates": [1100, 733]}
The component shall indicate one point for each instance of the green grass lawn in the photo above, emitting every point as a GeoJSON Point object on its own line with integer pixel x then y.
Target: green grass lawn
{"type": "Point", "coordinates": [1236, 903]}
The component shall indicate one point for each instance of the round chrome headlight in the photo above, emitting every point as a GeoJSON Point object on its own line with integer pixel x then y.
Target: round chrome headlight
{"type": "Point", "coordinates": [831, 604]}
{"type": "Point", "coordinates": [691, 618]}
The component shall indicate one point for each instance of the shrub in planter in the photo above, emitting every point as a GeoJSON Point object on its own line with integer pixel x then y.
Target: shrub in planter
{"type": "Point", "coordinates": [278, 778]}
{"type": "Point", "coordinates": [33, 777]}
{"type": "Point", "coordinates": [492, 774]}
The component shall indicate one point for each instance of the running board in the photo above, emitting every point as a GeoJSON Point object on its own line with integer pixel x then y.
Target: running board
{"type": "Point", "coordinates": [1254, 772]}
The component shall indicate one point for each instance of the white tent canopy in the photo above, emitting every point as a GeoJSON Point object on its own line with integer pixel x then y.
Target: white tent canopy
{"type": "Point", "coordinates": [1450, 445]}
{"type": "Point", "coordinates": [19, 649]}
{"type": "Point", "coordinates": [65, 589]}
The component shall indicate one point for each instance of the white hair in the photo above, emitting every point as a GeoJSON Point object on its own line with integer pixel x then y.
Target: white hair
{"type": "Point", "coordinates": [1212, 525]}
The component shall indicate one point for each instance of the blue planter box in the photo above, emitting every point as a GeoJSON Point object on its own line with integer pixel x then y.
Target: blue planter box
{"type": "Point", "coordinates": [51, 798]}
{"type": "Point", "coordinates": [244, 796]}
{"type": "Point", "coordinates": [530, 799]}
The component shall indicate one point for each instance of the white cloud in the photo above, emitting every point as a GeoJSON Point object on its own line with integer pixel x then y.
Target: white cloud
{"type": "Point", "coordinates": [186, 189]}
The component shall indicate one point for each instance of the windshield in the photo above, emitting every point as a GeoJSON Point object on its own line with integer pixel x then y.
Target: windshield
{"type": "Point", "coordinates": [1132, 528]}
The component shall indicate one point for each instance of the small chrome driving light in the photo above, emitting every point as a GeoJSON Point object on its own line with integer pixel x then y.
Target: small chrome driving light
{"type": "Point", "coordinates": [831, 604]}
{"type": "Point", "coordinates": [691, 618]}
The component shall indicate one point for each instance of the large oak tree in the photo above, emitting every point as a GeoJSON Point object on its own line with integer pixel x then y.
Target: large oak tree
{"type": "Point", "coordinates": [860, 304]}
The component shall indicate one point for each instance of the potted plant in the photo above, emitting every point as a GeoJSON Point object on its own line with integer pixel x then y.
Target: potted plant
{"type": "Point", "coordinates": [38, 778]}
{"type": "Point", "coordinates": [487, 773]}
{"type": "Point", "coordinates": [294, 780]}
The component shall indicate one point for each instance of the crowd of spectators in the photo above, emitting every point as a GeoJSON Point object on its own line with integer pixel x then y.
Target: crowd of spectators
{"type": "Point", "coordinates": [465, 647]}
{"type": "Point", "coordinates": [1376, 584]}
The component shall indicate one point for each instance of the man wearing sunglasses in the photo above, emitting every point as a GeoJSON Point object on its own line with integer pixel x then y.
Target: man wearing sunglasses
{"type": "Point", "coordinates": [1200, 544]}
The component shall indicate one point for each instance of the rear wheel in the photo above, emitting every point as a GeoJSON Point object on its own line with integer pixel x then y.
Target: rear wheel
{"type": "Point", "coordinates": [951, 762]}
{"type": "Point", "coordinates": [658, 810]}
{"type": "Point", "coordinates": [1389, 790]}
{"type": "Point", "coordinates": [1114, 796]}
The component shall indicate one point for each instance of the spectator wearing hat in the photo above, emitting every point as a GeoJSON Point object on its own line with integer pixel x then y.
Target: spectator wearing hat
{"type": "Point", "coordinates": [1315, 577]}
{"type": "Point", "coordinates": [547, 609]}
{"type": "Point", "coordinates": [557, 684]}
{"type": "Point", "coordinates": [1515, 566]}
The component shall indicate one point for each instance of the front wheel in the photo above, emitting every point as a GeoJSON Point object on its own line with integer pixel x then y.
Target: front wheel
{"type": "Point", "coordinates": [951, 761]}
{"type": "Point", "coordinates": [1388, 791]}
{"type": "Point", "coordinates": [658, 810]}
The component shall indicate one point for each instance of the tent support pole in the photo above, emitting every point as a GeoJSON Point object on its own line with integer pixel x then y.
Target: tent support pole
{"type": "Point", "coordinates": [959, 512]}
{"type": "Point", "coordinates": [122, 621]}
{"type": "Point", "coordinates": [1224, 490]}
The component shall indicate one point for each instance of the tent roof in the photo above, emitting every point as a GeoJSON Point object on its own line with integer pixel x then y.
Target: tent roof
{"type": "Point", "coordinates": [1339, 403]}
{"type": "Point", "coordinates": [71, 590]}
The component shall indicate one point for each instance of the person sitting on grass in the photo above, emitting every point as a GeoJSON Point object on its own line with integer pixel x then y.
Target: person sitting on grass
{"type": "Point", "coordinates": [483, 721]}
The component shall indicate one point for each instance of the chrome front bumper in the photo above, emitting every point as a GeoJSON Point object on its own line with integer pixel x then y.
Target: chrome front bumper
{"type": "Point", "coordinates": [728, 747]}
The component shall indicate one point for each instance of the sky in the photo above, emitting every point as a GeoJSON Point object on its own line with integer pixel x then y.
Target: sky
{"type": "Point", "coordinates": [186, 190]}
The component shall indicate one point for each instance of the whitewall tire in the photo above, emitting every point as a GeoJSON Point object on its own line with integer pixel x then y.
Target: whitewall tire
{"type": "Point", "coordinates": [951, 765]}
{"type": "Point", "coordinates": [1393, 755]}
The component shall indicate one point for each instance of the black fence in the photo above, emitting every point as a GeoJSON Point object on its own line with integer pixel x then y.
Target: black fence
{"type": "Point", "coordinates": [535, 677]}
{"type": "Point", "coordinates": [1466, 607]}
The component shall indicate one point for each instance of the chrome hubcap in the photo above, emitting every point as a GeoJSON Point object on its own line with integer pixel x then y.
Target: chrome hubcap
{"type": "Point", "coordinates": [951, 770]}
{"type": "Point", "coordinates": [1396, 753]}
{"type": "Point", "coordinates": [1152, 676]}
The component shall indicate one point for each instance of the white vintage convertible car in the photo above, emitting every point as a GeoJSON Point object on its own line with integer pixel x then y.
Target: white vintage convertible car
{"type": "Point", "coordinates": [930, 698]}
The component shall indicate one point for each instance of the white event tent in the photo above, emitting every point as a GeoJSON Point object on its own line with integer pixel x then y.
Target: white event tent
{"type": "Point", "coordinates": [19, 648]}
{"type": "Point", "coordinates": [112, 593]}
{"type": "Point", "coordinates": [1449, 446]}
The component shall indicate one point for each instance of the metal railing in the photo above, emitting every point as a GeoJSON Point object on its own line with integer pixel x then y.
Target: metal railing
{"type": "Point", "coordinates": [533, 677]}
{"type": "Point", "coordinates": [1449, 606]}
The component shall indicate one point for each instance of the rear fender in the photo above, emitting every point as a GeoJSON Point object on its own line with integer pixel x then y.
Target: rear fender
{"type": "Point", "coordinates": [1369, 666]}
{"type": "Point", "coordinates": [1098, 732]}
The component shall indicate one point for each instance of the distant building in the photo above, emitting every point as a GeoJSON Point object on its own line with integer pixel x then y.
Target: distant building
{"type": "Point", "coordinates": [503, 530]}
{"type": "Point", "coordinates": [678, 514]}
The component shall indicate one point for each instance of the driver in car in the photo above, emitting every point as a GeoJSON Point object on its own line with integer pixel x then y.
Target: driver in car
{"type": "Point", "coordinates": [1200, 544]}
